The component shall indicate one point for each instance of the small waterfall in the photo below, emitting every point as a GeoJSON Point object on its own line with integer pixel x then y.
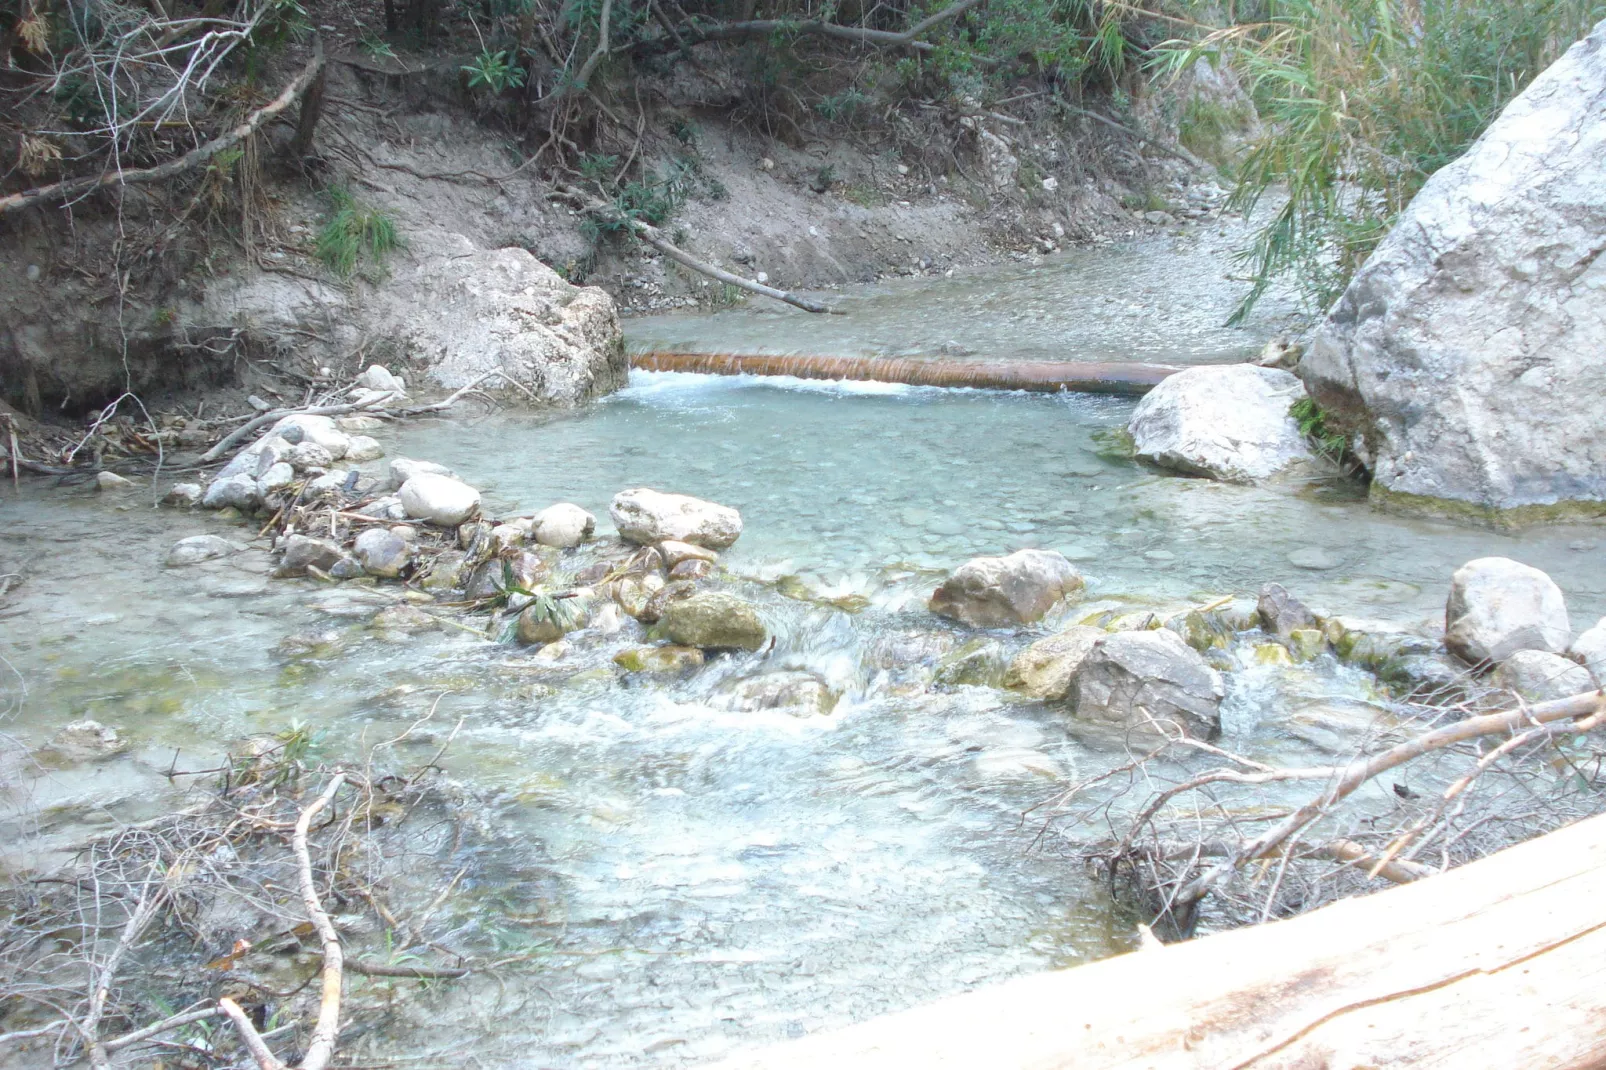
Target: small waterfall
{"type": "Point", "coordinates": [1043, 376]}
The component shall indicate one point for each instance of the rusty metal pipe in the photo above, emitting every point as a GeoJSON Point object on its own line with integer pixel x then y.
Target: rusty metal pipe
{"type": "Point", "coordinates": [1044, 376]}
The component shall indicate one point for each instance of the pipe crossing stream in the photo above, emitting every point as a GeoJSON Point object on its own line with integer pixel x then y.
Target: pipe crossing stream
{"type": "Point", "coordinates": [1041, 376]}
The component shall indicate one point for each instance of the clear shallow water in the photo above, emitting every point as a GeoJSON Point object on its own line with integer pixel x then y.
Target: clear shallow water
{"type": "Point", "coordinates": [1159, 299]}
{"type": "Point", "coordinates": [838, 482]}
{"type": "Point", "coordinates": [705, 878]}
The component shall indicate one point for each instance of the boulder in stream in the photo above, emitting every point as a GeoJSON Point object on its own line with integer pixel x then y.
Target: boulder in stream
{"type": "Point", "coordinates": [198, 548]}
{"type": "Point", "coordinates": [792, 691]}
{"type": "Point", "coordinates": [1281, 613]}
{"type": "Point", "coordinates": [1130, 677]}
{"type": "Point", "coordinates": [183, 494]}
{"type": "Point", "coordinates": [660, 660]}
{"type": "Point", "coordinates": [1229, 422]}
{"type": "Point", "coordinates": [644, 516]}
{"type": "Point", "coordinates": [1540, 676]}
{"type": "Point", "coordinates": [714, 620]}
{"type": "Point", "coordinates": [1498, 606]}
{"type": "Point", "coordinates": [302, 552]}
{"type": "Point", "coordinates": [1464, 353]}
{"type": "Point", "coordinates": [998, 592]}
{"type": "Point", "coordinates": [382, 552]}
{"type": "Point", "coordinates": [240, 491]}
{"type": "Point", "coordinates": [1590, 650]}
{"type": "Point", "coordinates": [439, 500]}
{"type": "Point", "coordinates": [564, 525]}
{"type": "Point", "coordinates": [404, 468]}
{"type": "Point", "coordinates": [1045, 669]}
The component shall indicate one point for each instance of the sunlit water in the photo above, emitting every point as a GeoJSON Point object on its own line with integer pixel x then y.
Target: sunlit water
{"type": "Point", "coordinates": [702, 878]}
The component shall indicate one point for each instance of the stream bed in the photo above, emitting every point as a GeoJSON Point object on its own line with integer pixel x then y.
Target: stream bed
{"type": "Point", "coordinates": [699, 876]}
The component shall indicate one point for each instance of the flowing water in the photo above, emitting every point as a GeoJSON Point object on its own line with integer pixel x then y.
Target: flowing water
{"type": "Point", "coordinates": [701, 878]}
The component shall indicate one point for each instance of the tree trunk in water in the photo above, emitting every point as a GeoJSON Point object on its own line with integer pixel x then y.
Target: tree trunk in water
{"type": "Point", "coordinates": [1496, 965]}
{"type": "Point", "coordinates": [1045, 376]}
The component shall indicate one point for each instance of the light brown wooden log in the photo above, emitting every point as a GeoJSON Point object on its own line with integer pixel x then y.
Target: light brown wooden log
{"type": "Point", "coordinates": [1497, 965]}
{"type": "Point", "coordinates": [1046, 376]}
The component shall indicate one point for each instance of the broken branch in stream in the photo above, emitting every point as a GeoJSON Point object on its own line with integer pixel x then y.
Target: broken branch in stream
{"type": "Point", "coordinates": [1214, 830]}
{"type": "Point", "coordinates": [1586, 709]}
{"type": "Point", "coordinates": [655, 238]}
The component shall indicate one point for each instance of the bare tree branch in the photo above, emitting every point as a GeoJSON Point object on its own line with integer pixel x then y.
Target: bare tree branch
{"type": "Point", "coordinates": [77, 187]}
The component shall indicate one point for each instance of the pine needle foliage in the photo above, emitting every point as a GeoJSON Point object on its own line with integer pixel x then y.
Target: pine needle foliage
{"type": "Point", "coordinates": [1362, 101]}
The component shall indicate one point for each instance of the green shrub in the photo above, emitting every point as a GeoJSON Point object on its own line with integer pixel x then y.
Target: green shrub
{"type": "Point", "coordinates": [1362, 101]}
{"type": "Point", "coordinates": [354, 233]}
{"type": "Point", "coordinates": [1312, 423]}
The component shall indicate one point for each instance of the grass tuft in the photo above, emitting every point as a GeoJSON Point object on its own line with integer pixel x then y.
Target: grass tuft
{"type": "Point", "coordinates": [354, 234]}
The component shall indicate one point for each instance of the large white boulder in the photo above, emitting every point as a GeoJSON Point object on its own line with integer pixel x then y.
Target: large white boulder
{"type": "Point", "coordinates": [1498, 606]}
{"type": "Point", "coordinates": [439, 500]}
{"type": "Point", "coordinates": [1466, 351]}
{"type": "Point", "coordinates": [998, 592]}
{"type": "Point", "coordinates": [1229, 422]}
{"type": "Point", "coordinates": [645, 516]}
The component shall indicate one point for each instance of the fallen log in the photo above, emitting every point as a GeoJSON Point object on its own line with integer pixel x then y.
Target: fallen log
{"type": "Point", "coordinates": [1045, 376]}
{"type": "Point", "coordinates": [1495, 965]}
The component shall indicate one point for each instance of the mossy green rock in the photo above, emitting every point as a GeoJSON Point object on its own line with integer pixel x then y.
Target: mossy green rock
{"type": "Point", "coordinates": [1306, 644]}
{"type": "Point", "coordinates": [714, 620]}
{"type": "Point", "coordinates": [660, 660]}
{"type": "Point", "coordinates": [979, 663]}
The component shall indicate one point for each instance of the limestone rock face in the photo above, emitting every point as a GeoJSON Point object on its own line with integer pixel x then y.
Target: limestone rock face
{"type": "Point", "coordinates": [503, 310]}
{"type": "Point", "coordinates": [1466, 349]}
{"type": "Point", "coordinates": [1229, 422]}
{"type": "Point", "coordinates": [645, 516]}
{"type": "Point", "coordinates": [1498, 606]}
{"type": "Point", "coordinates": [1539, 676]}
{"type": "Point", "coordinates": [452, 309]}
{"type": "Point", "coordinates": [1044, 670]}
{"type": "Point", "coordinates": [440, 500]}
{"type": "Point", "coordinates": [1131, 676]}
{"type": "Point", "coordinates": [997, 592]}
{"type": "Point", "coordinates": [714, 620]}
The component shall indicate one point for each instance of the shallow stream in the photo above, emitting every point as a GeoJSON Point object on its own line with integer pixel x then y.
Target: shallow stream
{"type": "Point", "coordinates": [704, 878]}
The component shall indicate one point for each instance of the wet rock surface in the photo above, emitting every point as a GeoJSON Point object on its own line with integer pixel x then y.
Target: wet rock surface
{"type": "Point", "coordinates": [996, 592]}
{"type": "Point", "coordinates": [1130, 677]}
{"type": "Point", "coordinates": [714, 620]}
{"type": "Point", "coordinates": [1046, 668]}
{"type": "Point", "coordinates": [644, 516]}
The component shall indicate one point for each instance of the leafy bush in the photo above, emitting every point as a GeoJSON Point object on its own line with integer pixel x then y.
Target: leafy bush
{"type": "Point", "coordinates": [355, 232]}
{"type": "Point", "coordinates": [494, 71]}
{"type": "Point", "coordinates": [1312, 423]}
{"type": "Point", "coordinates": [1363, 100]}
